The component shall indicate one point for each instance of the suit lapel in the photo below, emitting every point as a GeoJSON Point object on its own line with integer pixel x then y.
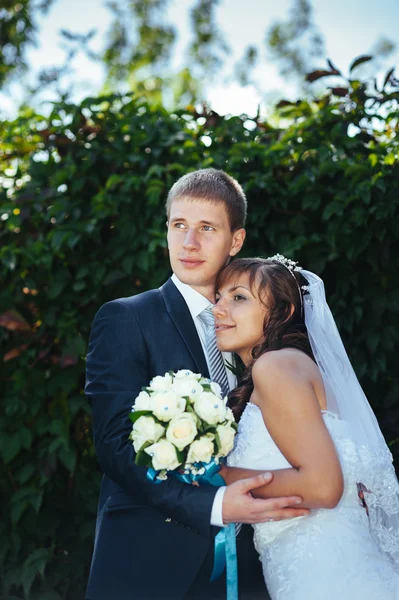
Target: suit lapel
{"type": "Point", "coordinates": [180, 315]}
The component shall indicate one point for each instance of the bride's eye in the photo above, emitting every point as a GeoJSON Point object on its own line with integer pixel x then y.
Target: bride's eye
{"type": "Point", "coordinates": [238, 297]}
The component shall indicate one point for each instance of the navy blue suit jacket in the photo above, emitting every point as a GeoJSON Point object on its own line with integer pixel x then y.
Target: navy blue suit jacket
{"type": "Point", "coordinates": [150, 539]}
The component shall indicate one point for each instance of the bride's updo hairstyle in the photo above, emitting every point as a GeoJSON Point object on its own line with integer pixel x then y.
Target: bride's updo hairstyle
{"type": "Point", "coordinates": [280, 291]}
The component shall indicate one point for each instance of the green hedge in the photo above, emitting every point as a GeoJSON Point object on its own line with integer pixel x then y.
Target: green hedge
{"type": "Point", "coordinates": [82, 222]}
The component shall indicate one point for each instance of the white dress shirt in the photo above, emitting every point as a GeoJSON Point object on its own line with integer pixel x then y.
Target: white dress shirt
{"type": "Point", "coordinates": [196, 303]}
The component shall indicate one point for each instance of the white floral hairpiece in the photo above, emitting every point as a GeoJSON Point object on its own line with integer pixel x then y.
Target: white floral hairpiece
{"type": "Point", "coordinates": [292, 266]}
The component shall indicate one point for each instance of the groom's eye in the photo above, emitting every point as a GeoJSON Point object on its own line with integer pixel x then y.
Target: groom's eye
{"type": "Point", "coordinates": [179, 225]}
{"type": "Point", "coordinates": [209, 228]}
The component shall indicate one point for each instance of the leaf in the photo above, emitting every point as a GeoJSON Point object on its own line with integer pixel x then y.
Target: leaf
{"type": "Point", "coordinates": [14, 321]}
{"type": "Point", "coordinates": [74, 347]}
{"type": "Point", "coordinates": [136, 414]}
{"type": "Point", "coordinates": [47, 595]}
{"type": "Point", "coordinates": [25, 437]}
{"type": "Point", "coordinates": [56, 287]}
{"type": "Point", "coordinates": [10, 445]}
{"type": "Point", "coordinates": [28, 576]}
{"type": "Point", "coordinates": [181, 455]}
{"type": "Point", "coordinates": [113, 181]}
{"type": "Point", "coordinates": [15, 352]}
{"type": "Point", "coordinates": [333, 67]}
{"type": "Point", "coordinates": [78, 403]}
{"type": "Point", "coordinates": [34, 566]}
{"type": "Point", "coordinates": [284, 103]}
{"type": "Point", "coordinates": [68, 456]}
{"type": "Point", "coordinates": [340, 91]}
{"type": "Point", "coordinates": [206, 387]}
{"type": "Point", "coordinates": [142, 458]}
{"type": "Point", "coordinates": [24, 473]}
{"type": "Point", "coordinates": [318, 74]}
{"type": "Point", "coordinates": [36, 501]}
{"type": "Point", "coordinates": [218, 443]}
{"type": "Point", "coordinates": [17, 510]}
{"type": "Point", "coordinates": [388, 77]}
{"type": "Point", "coordinates": [359, 61]}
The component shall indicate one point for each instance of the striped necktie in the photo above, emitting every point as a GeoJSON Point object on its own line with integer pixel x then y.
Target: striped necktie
{"type": "Point", "coordinates": [217, 369]}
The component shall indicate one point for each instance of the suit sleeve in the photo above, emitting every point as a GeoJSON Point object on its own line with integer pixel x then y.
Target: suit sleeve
{"type": "Point", "coordinates": [117, 369]}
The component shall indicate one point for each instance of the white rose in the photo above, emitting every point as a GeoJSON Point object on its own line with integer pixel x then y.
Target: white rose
{"type": "Point", "coordinates": [226, 436]}
{"type": "Point", "coordinates": [161, 384]}
{"type": "Point", "coordinates": [145, 429]}
{"type": "Point", "coordinates": [229, 415]}
{"type": "Point", "coordinates": [142, 402]}
{"type": "Point", "coordinates": [187, 374]}
{"type": "Point", "coordinates": [216, 389]}
{"type": "Point", "coordinates": [182, 430]}
{"type": "Point", "coordinates": [187, 387]}
{"type": "Point", "coordinates": [163, 455]}
{"type": "Point", "coordinates": [210, 408]}
{"type": "Point", "coordinates": [201, 450]}
{"type": "Point", "coordinates": [166, 405]}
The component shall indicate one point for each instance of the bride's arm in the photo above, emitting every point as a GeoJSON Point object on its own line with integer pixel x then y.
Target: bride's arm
{"type": "Point", "coordinates": [284, 392]}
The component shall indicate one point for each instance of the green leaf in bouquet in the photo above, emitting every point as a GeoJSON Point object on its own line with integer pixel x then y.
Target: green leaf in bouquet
{"type": "Point", "coordinates": [206, 387]}
{"type": "Point", "coordinates": [217, 443]}
{"type": "Point", "coordinates": [200, 428]}
{"type": "Point", "coordinates": [181, 456]}
{"type": "Point", "coordinates": [142, 458]}
{"type": "Point", "coordinates": [237, 368]}
{"type": "Point", "coordinates": [209, 428]}
{"type": "Point", "coordinates": [158, 420]}
{"type": "Point", "coordinates": [136, 414]}
{"type": "Point", "coordinates": [215, 447]}
{"type": "Point", "coordinates": [190, 409]}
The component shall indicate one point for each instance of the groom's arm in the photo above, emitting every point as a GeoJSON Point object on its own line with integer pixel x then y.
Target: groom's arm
{"type": "Point", "coordinates": [117, 369]}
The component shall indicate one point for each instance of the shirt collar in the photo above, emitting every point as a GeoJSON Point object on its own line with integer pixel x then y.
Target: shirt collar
{"type": "Point", "coordinates": [195, 301]}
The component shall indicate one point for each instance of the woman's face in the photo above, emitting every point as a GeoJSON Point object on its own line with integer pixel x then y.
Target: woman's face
{"type": "Point", "coordinates": [239, 317]}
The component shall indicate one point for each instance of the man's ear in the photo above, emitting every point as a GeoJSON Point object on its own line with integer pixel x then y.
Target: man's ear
{"type": "Point", "coordinates": [237, 242]}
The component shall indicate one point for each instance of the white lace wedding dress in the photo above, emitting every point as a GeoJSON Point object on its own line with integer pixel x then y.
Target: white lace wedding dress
{"type": "Point", "coordinates": [328, 555]}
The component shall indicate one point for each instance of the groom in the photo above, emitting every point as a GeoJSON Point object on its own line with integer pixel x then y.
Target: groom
{"type": "Point", "coordinates": [155, 542]}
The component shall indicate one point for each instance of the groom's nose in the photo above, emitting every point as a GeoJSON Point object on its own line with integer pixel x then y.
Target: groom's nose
{"type": "Point", "coordinates": [191, 241]}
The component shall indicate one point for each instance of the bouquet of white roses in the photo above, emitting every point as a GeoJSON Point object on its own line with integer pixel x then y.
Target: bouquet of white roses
{"type": "Point", "coordinates": [181, 422]}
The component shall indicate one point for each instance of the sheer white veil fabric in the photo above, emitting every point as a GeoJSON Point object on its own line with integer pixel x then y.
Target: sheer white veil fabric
{"type": "Point", "coordinates": [346, 399]}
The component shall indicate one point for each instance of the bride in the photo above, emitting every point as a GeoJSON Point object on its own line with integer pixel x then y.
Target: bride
{"type": "Point", "coordinates": [303, 415]}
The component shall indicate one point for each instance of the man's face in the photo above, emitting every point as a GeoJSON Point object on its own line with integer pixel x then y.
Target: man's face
{"type": "Point", "coordinates": [200, 242]}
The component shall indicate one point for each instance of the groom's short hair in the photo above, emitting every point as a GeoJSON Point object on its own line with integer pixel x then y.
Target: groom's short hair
{"type": "Point", "coordinates": [212, 185]}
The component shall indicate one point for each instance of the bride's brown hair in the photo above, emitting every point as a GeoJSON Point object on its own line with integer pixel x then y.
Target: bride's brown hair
{"type": "Point", "coordinates": [280, 292]}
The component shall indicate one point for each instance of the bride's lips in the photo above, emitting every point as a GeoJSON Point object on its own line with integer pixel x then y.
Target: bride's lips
{"type": "Point", "coordinates": [220, 327]}
{"type": "Point", "coordinates": [191, 263]}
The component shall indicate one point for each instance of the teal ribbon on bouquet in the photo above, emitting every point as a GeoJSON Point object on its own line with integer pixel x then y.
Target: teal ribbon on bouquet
{"type": "Point", "coordinates": [225, 556]}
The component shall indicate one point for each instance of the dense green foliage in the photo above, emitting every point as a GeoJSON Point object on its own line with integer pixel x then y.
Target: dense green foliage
{"type": "Point", "coordinates": [82, 221]}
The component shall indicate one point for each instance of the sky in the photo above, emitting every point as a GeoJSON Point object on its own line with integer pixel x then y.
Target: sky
{"type": "Point", "coordinates": [350, 28]}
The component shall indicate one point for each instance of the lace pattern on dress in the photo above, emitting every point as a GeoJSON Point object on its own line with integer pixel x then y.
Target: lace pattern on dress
{"type": "Point", "coordinates": [331, 553]}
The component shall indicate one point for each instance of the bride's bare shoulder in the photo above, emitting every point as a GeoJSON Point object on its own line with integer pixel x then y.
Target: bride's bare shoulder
{"type": "Point", "coordinates": [287, 363]}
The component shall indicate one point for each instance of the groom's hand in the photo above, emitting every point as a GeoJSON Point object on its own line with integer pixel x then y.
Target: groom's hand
{"type": "Point", "coordinates": [239, 506]}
